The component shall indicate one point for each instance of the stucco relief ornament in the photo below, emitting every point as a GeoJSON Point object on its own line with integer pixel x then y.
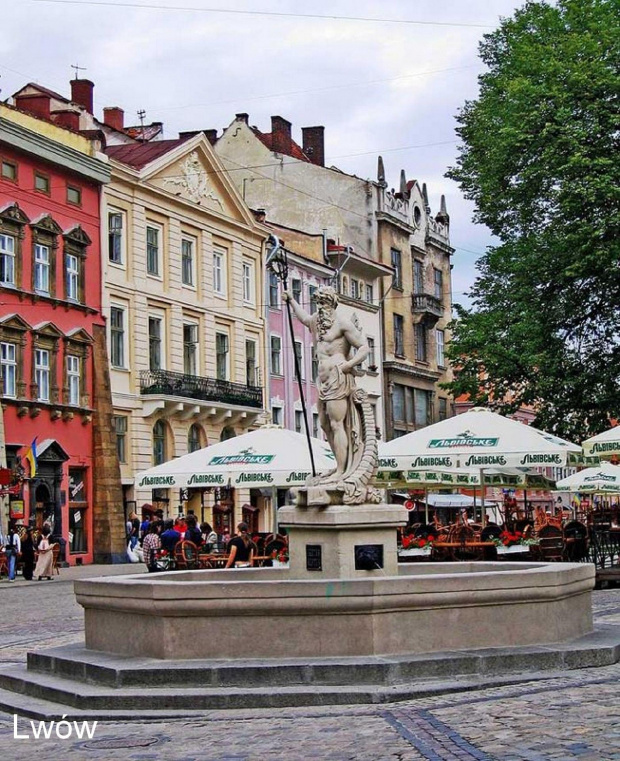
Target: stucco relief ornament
{"type": "Point", "coordinates": [346, 415]}
{"type": "Point", "coordinates": [194, 182]}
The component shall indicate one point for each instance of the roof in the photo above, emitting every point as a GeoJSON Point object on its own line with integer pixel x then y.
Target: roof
{"type": "Point", "coordinates": [138, 155]}
{"type": "Point", "coordinates": [266, 139]}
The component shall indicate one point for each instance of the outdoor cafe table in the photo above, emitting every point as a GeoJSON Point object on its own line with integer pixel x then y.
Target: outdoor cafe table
{"type": "Point", "coordinates": [219, 561]}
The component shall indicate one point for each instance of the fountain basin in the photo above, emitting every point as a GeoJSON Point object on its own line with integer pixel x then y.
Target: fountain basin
{"type": "Point", "coordinates": [262, 613]}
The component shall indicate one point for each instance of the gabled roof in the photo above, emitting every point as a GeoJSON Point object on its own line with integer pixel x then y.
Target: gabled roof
{"type": "Point", "coordinates": [138, 155]}
{"type": "Point", "coordinates": [266, 139]}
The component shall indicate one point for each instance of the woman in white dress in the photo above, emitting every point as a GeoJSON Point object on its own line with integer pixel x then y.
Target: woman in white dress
{"type": "Point", "coordinates": [45, 562]}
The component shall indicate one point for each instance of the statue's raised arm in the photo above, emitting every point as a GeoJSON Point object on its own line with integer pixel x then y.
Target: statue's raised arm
{"type": "Point", "coordinates": [298, 310]}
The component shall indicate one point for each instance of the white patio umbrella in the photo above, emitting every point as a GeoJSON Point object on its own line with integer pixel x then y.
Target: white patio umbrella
{"type": "Point", "coordinates": [478, 439]}
{"type": "Point", "coordinates": [269, 456]}
{"type": "Point", "coordinates": [603, 444]}
{"type": "Point", "coordinates": [602, 479]}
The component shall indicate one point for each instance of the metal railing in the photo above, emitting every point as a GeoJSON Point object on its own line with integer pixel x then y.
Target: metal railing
{"type": "Point", "coordinates": [199, 387]}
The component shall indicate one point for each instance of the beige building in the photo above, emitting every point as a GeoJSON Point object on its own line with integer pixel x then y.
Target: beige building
{"type": "Point", "coordinates": [396, 256]}
{"type": "Point", "coordinates": [183, 296]}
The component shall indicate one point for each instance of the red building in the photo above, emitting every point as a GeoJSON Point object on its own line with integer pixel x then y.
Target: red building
{"type": "Point", "coordinates": [50, 309]}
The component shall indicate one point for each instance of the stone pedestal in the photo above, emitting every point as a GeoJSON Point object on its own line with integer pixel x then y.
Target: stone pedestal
{"type": "Point", "coordinates": [342, 541]}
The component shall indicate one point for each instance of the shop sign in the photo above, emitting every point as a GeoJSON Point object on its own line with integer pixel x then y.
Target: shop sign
{"type": "Point", "coordinates": [541, 459]}
{"type": "Point", "coordinates": [481, 459]}
{"type": "Point", "coordinates": [432, 462]}
{"type": "Point", "coordinates": [16, 509]}
{"type": "Point", "coordinates": [244, 478]}
{"type": "Point", "coordinates": [245, 457]}
{"type": "Point", "coordinates": [199, 479]}
{"type": "Point", "coordinates": [463, 440]}
{"type": "Point", "coordinates": [157, 481]}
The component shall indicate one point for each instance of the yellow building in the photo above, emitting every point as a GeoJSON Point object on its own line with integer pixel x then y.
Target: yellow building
{"type": "Point", "coordinates": [183, 285]}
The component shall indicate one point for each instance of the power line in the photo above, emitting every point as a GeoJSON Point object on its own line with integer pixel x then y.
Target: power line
{"type": "Point", "coordinates": [342, 86]}
{"type": "Point", "coordinates": [278, 14]}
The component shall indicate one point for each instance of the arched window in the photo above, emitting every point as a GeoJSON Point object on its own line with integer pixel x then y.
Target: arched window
{"type": "Point", "coordinates": [159, 443]}
{"type": "Point", "coordinates": [195, 438]}
{"type": "Point", "coordinates": [228, 432]}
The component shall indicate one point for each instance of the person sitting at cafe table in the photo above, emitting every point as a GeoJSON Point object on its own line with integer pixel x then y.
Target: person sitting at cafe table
{"type": "Point", "coordinates": [170, 536]}
{"type": "Point", "coordinates": [241, 548]}
{"type": "Point", "coordinates": [193, 533]}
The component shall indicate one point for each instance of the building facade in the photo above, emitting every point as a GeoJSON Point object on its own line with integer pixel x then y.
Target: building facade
{"type": "Point", "coordinates": [397, 251]}
{"type": "Point", "coordinates": [183, 294]}
{"type": "Point", "coordinates": [51, 327]}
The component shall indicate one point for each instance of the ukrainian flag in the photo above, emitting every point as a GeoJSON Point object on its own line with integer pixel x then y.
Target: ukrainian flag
{"type": "Point", "coordinates": [31, 456]}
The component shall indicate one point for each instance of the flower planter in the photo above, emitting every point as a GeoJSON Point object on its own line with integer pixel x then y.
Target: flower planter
{"type": "Point", "coordinates": [516, 548]}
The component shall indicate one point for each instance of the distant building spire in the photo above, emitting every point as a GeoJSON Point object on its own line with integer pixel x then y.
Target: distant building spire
{"type": "Point", "coordinates": [381, 173]}
{"type": "Point", "coordinates": [427, 206]}
{"type": "Point", "coordinates": [443, 215]}
{"type": "Point", "coordinates": [404, 193]}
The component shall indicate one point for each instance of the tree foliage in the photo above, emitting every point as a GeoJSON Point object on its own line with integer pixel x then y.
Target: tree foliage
{"type": "Point", "coordinates": [540, 158]}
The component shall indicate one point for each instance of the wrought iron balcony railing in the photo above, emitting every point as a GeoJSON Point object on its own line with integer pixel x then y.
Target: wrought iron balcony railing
{"type": "Point", "coordinates": [198, 387]}
{"type": "Point", "coordinates": [425, 303]}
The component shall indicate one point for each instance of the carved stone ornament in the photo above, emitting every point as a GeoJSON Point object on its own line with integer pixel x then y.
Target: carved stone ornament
{"type": "Point", "coordinates": [194, 182]}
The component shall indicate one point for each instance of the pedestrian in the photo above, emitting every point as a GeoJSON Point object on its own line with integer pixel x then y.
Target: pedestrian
{"type": "Point", "coordinates": [134, 529]}
{"type": "Point", "coordinates": [150, 546]}
{"type": "Point", "coordinates": [193, 533]}
{"type": "Point", "coordinates": [12, 548]}
{"type": "Point", "coordinates": [45, 562]}
{"type": "Point", "coordinates": [144, 526]}
{"type": "Point", "coordinates": [28, 557]}
{"type": "Point", "coordinates": [241, 548]}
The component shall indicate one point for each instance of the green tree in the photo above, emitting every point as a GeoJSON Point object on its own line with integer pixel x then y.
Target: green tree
{"type": "Point", "coordinates": [540, 158]}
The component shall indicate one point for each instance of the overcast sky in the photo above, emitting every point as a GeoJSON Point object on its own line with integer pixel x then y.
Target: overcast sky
{"type": "Point", "coordinates": [378, 87]}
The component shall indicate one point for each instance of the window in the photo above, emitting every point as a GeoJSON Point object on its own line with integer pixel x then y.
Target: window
{"type": "Point", "coordinates": [299, 353]}
{"type": "Point", "coordinates": [187, 261]}
{"type": "Point", "coordinates": [248, 282]}
{"type": "Point", "coordinates": [8, 361]}
{"type": "Point", "coordinates": [421, 407]}
{"type": "Point", "coordinates": [73, 380]}
{"type": "Point", "coordinates": [115, 237]}
{"type": "Point", "coordinates": [420, 342]}
{"type": "Point", "coordinates": [399, 340]}
{"type": "Point", "coordinates": [194, 437]}
{"type": "Point", "coordinates": [155, 343]}
{"type": "Point", "coordinates": [7, 260]}
{"type": "Point", "coordinates": [41, 183]}
{"type": "Point", "coordinates": [74, 195]}
{"type": "Point", "coordinates": [299, 421]}
{"type": "Point", "coordinates": [312, 289]}
{"type": "Point", "coordinates": [221, 356]}
{"type": "Point", "coordinates": [372, 359]}
{"type": "Point", "coordinates": [190, 349]}
{"type": "Point", "coordinates": [250, 363]}
{"type": "Point", "coordinates": [276, 415]}
{"type": "Point", "coordinates": [315, 425]}
{"type": "Point", "coordinates": [443, 408]}
{"type": "Point", "coordinates": [120, 427]}
{"type": "Point", "coordinates": [276, 355]}
{"type": "Point", "coordinates": [273, 290]}
{"type": "Point", "coordinates": [73, 277]}
{"type": "Point", "coordinates": [438, 283]}
{"type": "Point", "coordinates": [41, 268]}
{"type": "Point", "coordinates": [9, 171]}
{"type": "Point", "coordinates": [117, 337]}
{"type": "Point", "coordinates": [439, 337]}
{"type": "Point", "coordinates": [152, 250]}
{"type": "Point", "coordinates": [355, 289]}
{"type": "Point", "coordinates": [296, 288]}
{"type": "Point", "coordinates": [315, 365]}
{"type": "Point", "coordinates": [219, 273]}
{"type": "Point", "coordinates": [398, 402]}
{"type": "Point", "coordinates": [344, 286]}
{"type": "Point", "coordinates": [42, 374]}
{"type": "Point", "coordinates": [398, 268]}
{"type": "Point", "coordinates": [159, 442]}
{"type": "Point", "coordinates": [409, 405]}
{"type": "Point", "coordinates": [369, 293]}
{"type": "Point", "coordinates": [418, 276]}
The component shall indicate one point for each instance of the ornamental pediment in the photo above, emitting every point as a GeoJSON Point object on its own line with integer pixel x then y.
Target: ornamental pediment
{"type": "Point", "coordinates": [79, 335]}
{"type": "Point", "coordinates": [47, 224]}
{"type": "Point", "coordinates": [13, 213]}
{"type": "Point", "coordinates": [47, 329]}
{"type": "Point", "coordinates": [77, 235]}
{"type": "Point", "coordinates": [14, 322]}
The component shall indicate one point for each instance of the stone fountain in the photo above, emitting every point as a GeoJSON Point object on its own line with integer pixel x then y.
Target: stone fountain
{"type": "Point", "coordinates": [344, 613]}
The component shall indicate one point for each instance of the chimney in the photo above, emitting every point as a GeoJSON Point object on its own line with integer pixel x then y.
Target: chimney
{"type": "Point", "coordinates": [114, 117]}
{"type": "Point", "coordinates": [36, 104]}
{"type": "Point", "coordinates": [314, 144]}
{"type": "Point", "coordinates": [281, 141]}
{"type": "Point", "coordinates": [67, 118]}
{"type": "Point", "coordinates": [82, 93]}
{"type": "Point", "coordinates": [242, 118]}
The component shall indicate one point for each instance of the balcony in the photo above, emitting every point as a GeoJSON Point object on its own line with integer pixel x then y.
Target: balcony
{"type": "Point", "coordinates": [196, 395]}
{"type": "Point", "coordinates": [428, 307]}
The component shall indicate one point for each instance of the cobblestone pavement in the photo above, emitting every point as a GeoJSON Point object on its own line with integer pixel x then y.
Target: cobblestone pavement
{"type": "Point", "coordinates": [571, 717]}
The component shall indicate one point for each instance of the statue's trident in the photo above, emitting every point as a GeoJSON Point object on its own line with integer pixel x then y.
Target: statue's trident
{"type": "Point", "coordinates": [277, 262]}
